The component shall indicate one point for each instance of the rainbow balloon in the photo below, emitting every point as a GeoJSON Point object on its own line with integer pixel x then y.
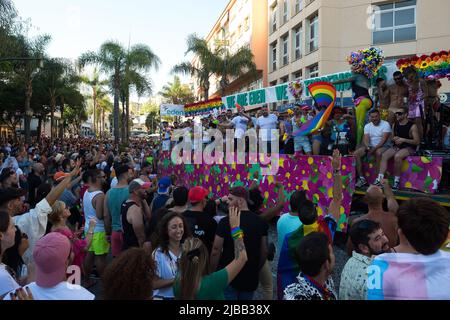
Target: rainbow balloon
{"type": "Point", "coordinates": [324, 96]}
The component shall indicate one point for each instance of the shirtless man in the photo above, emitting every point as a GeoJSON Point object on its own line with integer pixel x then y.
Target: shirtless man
{"type": "Point", "coordinates": [388, 221]}
{"type": "Point", "coordinates": [395, 93]}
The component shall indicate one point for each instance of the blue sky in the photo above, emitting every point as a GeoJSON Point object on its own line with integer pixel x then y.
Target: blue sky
{"type": "Point", "coordinates": [77, 26]}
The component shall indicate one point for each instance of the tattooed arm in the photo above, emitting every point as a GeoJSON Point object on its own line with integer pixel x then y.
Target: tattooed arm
{"type": "Point", "coordinates": [240, 253]}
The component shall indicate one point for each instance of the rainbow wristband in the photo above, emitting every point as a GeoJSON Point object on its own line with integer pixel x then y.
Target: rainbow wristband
{"type": "Point", "coordinates": [237, 233]}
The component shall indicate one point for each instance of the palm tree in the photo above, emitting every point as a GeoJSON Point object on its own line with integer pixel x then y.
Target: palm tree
{"type": "Point", "coordinates": [235, 65]}
{"type": "Point", "coordinates": [207, 60]}
{"type": "Point", "coordinates": [139, 60]}
{"type": "Point", "coordinates": [177, 93]}
{"type": "Point", "coordinates": [114, 60]}
{"type": "Point", "coordinates": [104, 106]}
{"type": "Point", "coordinates": [96, 86]}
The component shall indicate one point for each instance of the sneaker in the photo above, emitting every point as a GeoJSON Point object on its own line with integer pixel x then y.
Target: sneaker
{"type": "Point", "coordinates": [378, 183]}
{"type": "Point", "coordinates": [361, 183]}
{"type": "Point", "coordinates": [396, 185]}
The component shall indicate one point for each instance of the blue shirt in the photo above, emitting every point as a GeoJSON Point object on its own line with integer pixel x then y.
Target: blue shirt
{"type": "Point", "coordinates": [286, 224]}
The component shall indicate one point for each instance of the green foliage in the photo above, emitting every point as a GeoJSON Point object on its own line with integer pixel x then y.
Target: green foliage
{"type": "Point", "coordinates": [177, 93]}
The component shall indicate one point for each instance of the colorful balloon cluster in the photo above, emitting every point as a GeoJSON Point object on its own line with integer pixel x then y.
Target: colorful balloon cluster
{"type": "Point", "coordinates": [434, 66]}
{"type": "Point", "coordinates": [366, 61]}
{"type": "Point", "coordinates": [296, 89]}
{"type": "Point", "coordinates": [204, 108]}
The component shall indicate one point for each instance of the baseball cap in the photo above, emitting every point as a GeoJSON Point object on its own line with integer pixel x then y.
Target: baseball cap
{"type": "Point", "coordinates": [138, 184]}
{"type": "Point", "coordinates": [197, 194]}
{"type": "Point", "coordinates": [58, 157]}
{"type": "Point", "coordinates": [164, 184]}
{"type": "Point", "coordinates": [60, 175]}
{"type": "Point", "coordinates": [240, 192]}
{"type": "Point", "coordinates": [50, 255]}
{"type": "Point", "coordinates": [9, 194]}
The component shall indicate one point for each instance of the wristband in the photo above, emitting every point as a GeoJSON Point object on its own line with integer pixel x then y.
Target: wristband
{"type": "Point", "coordinates": [237, 233]}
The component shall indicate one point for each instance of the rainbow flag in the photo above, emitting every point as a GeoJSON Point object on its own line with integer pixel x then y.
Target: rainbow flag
{"type": "Point", "coordinates": [324, 96]}
{"type": "Point", "coordinates": [288, 268]}
{"type": "Point", "coordinates": [403, 276]}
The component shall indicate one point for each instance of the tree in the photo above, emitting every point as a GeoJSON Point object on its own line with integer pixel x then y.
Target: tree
{"type": "Point", "coordinates": [177, 93]}
{"type": "Point", "coordinates": [235, 65]}
{"type": "Point", "coordinates": [205, 67]}
{"type": "Point", "coordinates": [152, 121]}
{"type": "Point", "coordinates": [124, 67]}
{"type": "Point", "coordinates": [104, 106]}
{"type": "Point", "coordinates": [74, 116]}
{"type": "Point", "coordinates": [98, 91]}
{"type": "Point", "coordinates": [27, 70]}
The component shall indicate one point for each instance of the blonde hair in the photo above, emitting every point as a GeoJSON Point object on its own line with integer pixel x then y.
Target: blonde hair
{"type": "Point", "coordinates": [57, 212]}
{"type": "Point", "coordinates": [194, 264]}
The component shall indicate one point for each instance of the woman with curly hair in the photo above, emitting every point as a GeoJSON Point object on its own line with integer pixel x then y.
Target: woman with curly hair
{"type": "Point", "coordinates": [130, 276]}
{"type": "Point", "coordinates": [172, 230]}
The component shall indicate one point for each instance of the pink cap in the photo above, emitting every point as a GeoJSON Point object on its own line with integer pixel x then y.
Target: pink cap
{"type": "Point", "coordinates": [50, 254]}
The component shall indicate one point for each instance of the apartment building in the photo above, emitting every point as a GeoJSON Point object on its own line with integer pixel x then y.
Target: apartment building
{"type": "Point", "coordinates": [310, 38]}
{"type": "Point", "coordinates": [243, 23]}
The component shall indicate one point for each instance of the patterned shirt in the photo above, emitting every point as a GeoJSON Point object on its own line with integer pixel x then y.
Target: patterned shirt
{"type": "Point", "coordinates": [303, 289]}
{"type": "Point", "coordinates": [354, 278]}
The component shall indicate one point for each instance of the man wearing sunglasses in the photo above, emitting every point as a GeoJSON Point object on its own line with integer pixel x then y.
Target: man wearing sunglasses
{"type": "Point", "coordinates": [406, 140]}
{"type": "Point", "coordinates": [395, 93]}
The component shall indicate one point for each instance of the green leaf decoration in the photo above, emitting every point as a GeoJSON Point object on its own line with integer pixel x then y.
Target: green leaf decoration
{"type": "Point", "coordinates": [428, 181]}
{"type": "Point", "coordinates": [416, 169]}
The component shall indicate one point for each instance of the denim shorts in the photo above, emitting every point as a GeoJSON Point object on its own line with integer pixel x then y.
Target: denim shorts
{"type": "Point", "coordinates": [302, 144]}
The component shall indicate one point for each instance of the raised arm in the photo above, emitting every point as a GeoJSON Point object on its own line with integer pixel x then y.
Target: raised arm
{"type": "Point", "coordinates": [57, 191]}
{"type": "Point", "coordinates": [335, 205]}
{"type": "Point", "coordinates": [240, 253]}
{"type": "Point", "coordinates": [391, 201]}
{"type": "Point", "coordinates": [270, 213]}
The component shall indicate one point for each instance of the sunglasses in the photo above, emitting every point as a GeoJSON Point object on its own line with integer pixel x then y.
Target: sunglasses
{"type": "Point", "coordinates": [399, 113]}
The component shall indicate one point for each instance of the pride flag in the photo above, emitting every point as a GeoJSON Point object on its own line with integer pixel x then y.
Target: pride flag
{"type": "Point", "coordinates": [404, 276]}
{"type": "Point", "coordinates": [324, 96]}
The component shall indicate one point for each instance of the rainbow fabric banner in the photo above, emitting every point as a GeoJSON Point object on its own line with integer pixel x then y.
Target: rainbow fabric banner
{"type": "Point", "coordinates": [204, 108]}
{"type": "Point", "coordinates": [434, 66]}
{"type": "Point", "coordinates": [324, 95]}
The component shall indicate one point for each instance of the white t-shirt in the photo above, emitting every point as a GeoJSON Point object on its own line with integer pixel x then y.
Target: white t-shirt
{"type": "Point", "coordinates": [166, 142]}
{"type": "Point", "coordinates": [240, 126]}
{"type": "Point", "coordinates": [33, 223]}
{"type": "Point", "coordinates": [62, 291]}
{"type": "Point", "coordinates": [266, 124]}
{"type": "Point", "coordinates": [376, 132]}
{"type": "Point", "coordinates": [166, 269]}
{"type": "Point", "coordinates": [7, 282]}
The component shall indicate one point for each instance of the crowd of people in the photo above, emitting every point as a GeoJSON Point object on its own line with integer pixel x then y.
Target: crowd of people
{"type": "Point", "coordinates": [79, 214]}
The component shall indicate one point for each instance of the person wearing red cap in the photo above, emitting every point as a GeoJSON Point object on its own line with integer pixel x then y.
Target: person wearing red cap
{"type": "Point", "coordinates": [256, 232]}
{"type": "Point", "coordinates": [52, 257]}
{"type": "Point", "coordinates": [201, 225]}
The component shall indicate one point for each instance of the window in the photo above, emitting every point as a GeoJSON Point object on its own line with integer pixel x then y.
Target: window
{"type": "Point", "coordinates": [285, 11]}
{"type": "Point", "coordinates": [313, 71]}
{"type": "Point", "coordinates": [284, 79]}
{"type": "Point", "coordinates": [285, 50]}
{"type": "Point", "coordinates": [273, 48]}
{"type": "Point", "coordinates": [297, 42]}
{"type": "Point", "coordinates": [313, 39]}
{"type": "Point", "coordinates": [239, 31]}
{"type": "Point", "coordinates": [297, 75]}
{"type": "Point", "coordinates": [247, 23]}
{"type": "Point", "coordinates": [298, 6]}
{"type": "Point", "coordinates": [394, 22]}
{"type": "Point", "coordinates": [274, 18]}
{"type": "Point", "coordinates": [273, 83]}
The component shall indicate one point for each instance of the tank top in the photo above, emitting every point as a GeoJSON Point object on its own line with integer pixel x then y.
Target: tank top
{"type": "Point", "coordinates": [402, 131]}
{"type": "Point", "coordinates": [90, 212]}
{"type": "Point", "coordinates": [130, 239]}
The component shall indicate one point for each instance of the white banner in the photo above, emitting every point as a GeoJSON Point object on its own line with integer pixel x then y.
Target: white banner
{"type": "Point", "coordinates": [172, 110]}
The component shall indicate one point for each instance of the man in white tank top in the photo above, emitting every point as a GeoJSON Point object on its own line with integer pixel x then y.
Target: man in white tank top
{"type": "Point", "coordinates": [93, 201]}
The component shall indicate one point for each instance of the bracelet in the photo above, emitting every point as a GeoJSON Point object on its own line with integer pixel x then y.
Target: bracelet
{"type": "Point", "coordinates": [237, 233]}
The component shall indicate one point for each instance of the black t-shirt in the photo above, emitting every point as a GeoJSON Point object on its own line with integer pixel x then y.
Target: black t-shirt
{"type": "Point", "coordinates": [33, 183]}
{"type": "Point", "coordinates": [202, 226]}
{"type": "Point", "coordinates": [254, 228]}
